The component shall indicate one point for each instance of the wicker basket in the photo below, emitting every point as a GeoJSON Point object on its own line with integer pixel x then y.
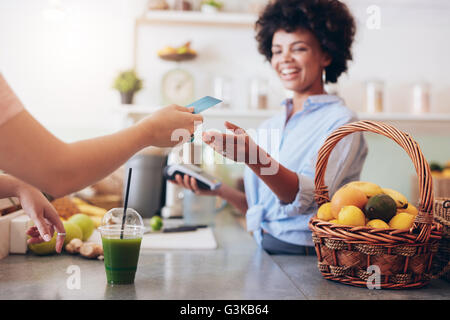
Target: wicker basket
{"type": "Point", "coordinates": [441, 264]}
{"type": "Point", "coordinates": [404, 256]}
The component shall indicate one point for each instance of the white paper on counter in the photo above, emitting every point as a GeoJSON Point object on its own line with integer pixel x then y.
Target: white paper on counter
{"type": "Point", "coordinates": [201, 239]}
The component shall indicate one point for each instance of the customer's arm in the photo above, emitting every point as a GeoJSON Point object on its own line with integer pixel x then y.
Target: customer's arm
{"type": "Point", "coordinates": [32, 153]}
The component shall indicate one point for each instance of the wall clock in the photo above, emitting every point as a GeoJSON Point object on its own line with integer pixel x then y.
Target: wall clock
{"type": "Point", "coordinates": [177, 87]}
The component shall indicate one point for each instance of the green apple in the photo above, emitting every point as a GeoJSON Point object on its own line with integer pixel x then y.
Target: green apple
{"type": "Point", "coordinates": [156, 223]}
{"type": "Point", "coordinates": [85, 223]}
{"type": "Point", "coordinates": [44, 248]}
{"type": "Point", "coordinates": [73, 231]}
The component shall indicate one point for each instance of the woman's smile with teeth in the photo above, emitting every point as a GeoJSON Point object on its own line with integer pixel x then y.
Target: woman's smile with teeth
{"type": "Point", "coordinates": [289, 71]}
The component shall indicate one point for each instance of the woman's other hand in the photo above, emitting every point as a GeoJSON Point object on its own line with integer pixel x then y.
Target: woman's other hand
{"type": "Point", "coordinates": [190, 183]}
{"type": "Point", "coordinates": [44, 215]}
{"type": "Point", "coordinates": [170, 126]}
{"type": "Point", "coordinates": [238, 146]}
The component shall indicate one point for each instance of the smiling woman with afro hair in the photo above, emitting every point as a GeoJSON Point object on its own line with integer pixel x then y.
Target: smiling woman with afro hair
{"type": "Point", "coordinates": [304, 40]}
{"type": "Point", "coordinates": [330, 21]}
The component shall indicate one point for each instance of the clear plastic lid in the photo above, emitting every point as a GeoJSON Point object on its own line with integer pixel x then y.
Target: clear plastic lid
{"type": "Point", "coordinates": [112, 227]}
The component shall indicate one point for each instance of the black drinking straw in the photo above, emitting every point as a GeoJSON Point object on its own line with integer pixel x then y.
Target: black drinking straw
{"type": "Point", "coordinates": [125, 204]}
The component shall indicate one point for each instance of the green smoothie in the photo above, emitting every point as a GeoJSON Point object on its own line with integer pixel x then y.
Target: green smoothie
{"type": "Point", "coordinates": [121, 258]}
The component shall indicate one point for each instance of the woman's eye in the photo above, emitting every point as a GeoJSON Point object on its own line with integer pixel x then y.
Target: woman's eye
{"type": "Point", "coordinates": [276, 51]}
{"type": "Point", "coordinates": [300, 49]}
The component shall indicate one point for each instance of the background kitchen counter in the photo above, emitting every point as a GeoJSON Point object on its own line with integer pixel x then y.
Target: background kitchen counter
{"type": "Point", "coordinates": [238, 269]}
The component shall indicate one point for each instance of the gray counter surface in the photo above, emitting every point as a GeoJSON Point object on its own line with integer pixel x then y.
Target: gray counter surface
{"type": "Point", "coordinates": [238, 269]}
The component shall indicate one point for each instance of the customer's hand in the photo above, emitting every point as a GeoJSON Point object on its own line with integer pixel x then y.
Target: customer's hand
{"type": "Point", "coordinates": [44, 215]}
{"type": "Point", "coordinates": [238, 146]}
{"type": "Point", "coordinates": [170, 126]}
{"type": "Point", "coordinates": [190, 183]}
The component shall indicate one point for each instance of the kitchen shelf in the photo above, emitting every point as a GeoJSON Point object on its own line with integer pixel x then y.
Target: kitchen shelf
{"type": "Point", "coordinates": [196, 18]}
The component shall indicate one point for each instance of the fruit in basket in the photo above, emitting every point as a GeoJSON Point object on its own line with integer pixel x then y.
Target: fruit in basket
{"type": "Point", "coordinates": [346, 196]}
{"type": "Point", "coordinates": [400, 200]}
{"type": "Point", "coordinates": [410, 209]}
{"type": "Point", "coordinates": [402, 220]}
{"type": "Point", "coordinates": [378, 224]}
{"type": "Point", "coordinates": [167, 50]}
{"type": "Point", "coordinates": [381, 207]}
{"type": "Point", "coordinates": [324, 212]}
{"type": "Point", "coordinates": [185, 49]}
{"type": "Point", "coordinates": [351, 216]}
{"type": "Point", "coordinates": [334, 221]}
{"type": "Point", "coordinates": [85, 223]}
{"type": "Point", "coordinates": [435, 167]}
{"type": "Point", "coordinates": [446, 173]}
{"type": "Point", "coordinates": [370, 189]}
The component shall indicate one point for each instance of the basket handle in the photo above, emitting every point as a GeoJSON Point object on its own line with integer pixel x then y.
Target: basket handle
{"type": "Point", "coordinates": [424, 218]}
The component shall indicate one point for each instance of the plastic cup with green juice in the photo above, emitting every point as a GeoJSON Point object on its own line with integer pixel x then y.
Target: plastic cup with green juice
{"type": "Point", "coordinates": [121, 244]}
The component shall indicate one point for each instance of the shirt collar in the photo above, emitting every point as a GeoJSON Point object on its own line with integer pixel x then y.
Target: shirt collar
{"type": "Point", "coordinates": [314, 101]}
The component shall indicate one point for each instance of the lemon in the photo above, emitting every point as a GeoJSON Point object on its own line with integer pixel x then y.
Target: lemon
{"type": "Point", "coordinates": [410, 209]}
{"type": "Point", "coordinates": [335, 221]}
{"type": "Point", "coordinates": [446, 172]}
{"type": "Point", "coordinates": [324, 212]}
{"type": "Point", "coordinates": [378, 224]}
{"type": "Point", "coordinates": [402, 220]}
{"type": "Point", "coordinates": [351, 216]}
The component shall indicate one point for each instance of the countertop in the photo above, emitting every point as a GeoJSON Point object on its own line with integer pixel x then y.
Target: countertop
{"type": "Point", "coordinates": [238, 269]}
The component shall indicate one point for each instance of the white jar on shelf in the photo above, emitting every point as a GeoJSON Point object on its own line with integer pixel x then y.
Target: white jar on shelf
{"type": "Point", "coordinates": [259, 88]}
{"type": "Point", "coordinates": [421, 98]}
{"type": "Point", "coordinates": [374, 96]}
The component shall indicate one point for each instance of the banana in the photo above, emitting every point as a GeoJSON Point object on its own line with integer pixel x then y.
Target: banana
{"type": "Point", "coordinates": [92, 210]}
{"type": "Point", "coordinates": [167, 50]}
{"type": "Point", "coordinates": [370, 189]}
{"type": "Point", "coordinates": [410, 209]}
{"type": "Point", "coordinates": [78, 201]}
{"type": "Point", "coordinates": [400, 200]}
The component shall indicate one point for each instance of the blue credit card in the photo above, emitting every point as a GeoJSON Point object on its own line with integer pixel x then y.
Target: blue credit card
{"type": "Point", "coordinates": [204, 103]}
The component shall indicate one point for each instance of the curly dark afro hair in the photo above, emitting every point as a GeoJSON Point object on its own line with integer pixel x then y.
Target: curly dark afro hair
{"type": "Point", "coordinates": [329, 20]}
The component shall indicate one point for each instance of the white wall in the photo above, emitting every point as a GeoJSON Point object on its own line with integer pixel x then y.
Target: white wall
{"type": "Point", "coordinates": [63, 70]}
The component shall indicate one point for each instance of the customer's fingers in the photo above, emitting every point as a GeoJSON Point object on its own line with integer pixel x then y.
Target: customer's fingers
{"type": "Point", "coordinates": [53, 217]}
{"type": "Point", "coordinates": [197, 117]}
{"type": "Point", "coordinates": [34, 240]}
{"type": "Point", "coordinates": [43, 228]}
{"type": "Point", "coordinates": [33, 232]}
{"type": "Point", "coordinates": [184, 109]}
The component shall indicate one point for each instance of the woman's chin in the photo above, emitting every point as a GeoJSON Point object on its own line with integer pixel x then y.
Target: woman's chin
{"type": "Point", "coordinates": [292, 85]}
